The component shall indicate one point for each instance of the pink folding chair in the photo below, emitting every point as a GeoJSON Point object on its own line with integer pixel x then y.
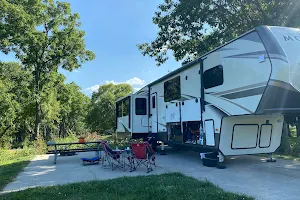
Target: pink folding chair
{"type": "Point", "coordinates": [143, 154]}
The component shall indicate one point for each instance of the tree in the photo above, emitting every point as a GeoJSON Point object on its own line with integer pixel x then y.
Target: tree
{"type": "Point", "coordinates": [191, 28]}
{"type": "Point", "coordinates": [15, 98]}
{"type": "Point", "coordinates": [102, 115]}
{"type": "Point", "coordinates": [73, 109]}
{"type": "Point", "coordinates": [44, 35]}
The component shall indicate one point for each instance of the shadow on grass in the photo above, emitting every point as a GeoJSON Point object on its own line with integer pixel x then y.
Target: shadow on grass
{"type": "Point", "coordinates": [10, 171]}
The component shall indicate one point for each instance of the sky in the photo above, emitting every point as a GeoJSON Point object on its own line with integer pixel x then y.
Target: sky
{"type": "Point", "coordinates": [113, 29]}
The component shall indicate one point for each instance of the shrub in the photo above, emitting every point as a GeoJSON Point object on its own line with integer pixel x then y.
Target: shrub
{"type": "Point", "coordinates": [295, 146]}
{"type": "Point", "coordinates": [39, 145]}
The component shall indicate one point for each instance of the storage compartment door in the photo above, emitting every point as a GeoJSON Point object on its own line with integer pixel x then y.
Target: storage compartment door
{"type": "Point", "coordinates": [173, 112]}
{"type": "Point", "coordinates": [190, 110]}
{"type": "Point", "coordinates": [210, 133]}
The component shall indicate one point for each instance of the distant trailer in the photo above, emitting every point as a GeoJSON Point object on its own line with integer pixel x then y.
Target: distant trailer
{"type": "Point", "coordinates": [237, 94]}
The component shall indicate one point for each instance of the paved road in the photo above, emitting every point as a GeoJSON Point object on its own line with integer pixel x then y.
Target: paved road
{"type": "Point", "coordinates": [249, 175]}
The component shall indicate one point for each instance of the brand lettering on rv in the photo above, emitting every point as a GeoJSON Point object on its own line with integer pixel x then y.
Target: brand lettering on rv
{"type": "Point", "coordinates": [291, 38]}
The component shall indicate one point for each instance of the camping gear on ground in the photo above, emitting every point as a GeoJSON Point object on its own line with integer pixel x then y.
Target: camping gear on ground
{"type": "Point", "coordinates": [209, 159]}
{"type": "Point", "coordinates": [143, 154]}
{"type": "Point", "coordinates": [116, 159]}
{"type": "Point", "coordinates": [91, 161]}
{"type": "Point", "coordinates": [81, 140]}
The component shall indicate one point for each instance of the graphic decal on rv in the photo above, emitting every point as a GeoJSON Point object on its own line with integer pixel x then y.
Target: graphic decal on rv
{"type": "Point", "coordinates": [245, 93]}
{"type": "Point", "coordinates": [282, 84]}
{"type": "Point", "coordinates": [255, 55]}
{"type": "Point", "coordinates": [249, 111]}
{"type": "Point", "coordinates": [239, 89]}
{"type": "Point", "coordinates": [253, 37]}
{"type": "Point", "coordinates": [220, 111]}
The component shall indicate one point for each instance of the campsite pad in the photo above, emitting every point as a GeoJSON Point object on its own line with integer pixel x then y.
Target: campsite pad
{"type": "Point", "coordinates": [250, 175]}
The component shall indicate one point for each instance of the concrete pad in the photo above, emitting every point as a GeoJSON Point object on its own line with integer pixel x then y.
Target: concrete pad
{"type": "Point", "coordinates": [250, 175]}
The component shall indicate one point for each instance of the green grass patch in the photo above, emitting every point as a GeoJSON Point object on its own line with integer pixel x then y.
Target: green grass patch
{"type": "Point", "coordinates": [171, 186]}
{"type": "Point", "coordinates": [12, 162]}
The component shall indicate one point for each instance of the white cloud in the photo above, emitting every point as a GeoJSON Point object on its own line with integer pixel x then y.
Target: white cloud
{"type": "Point", "coordinates": [92, 89]}
{"type": "Point", "coordinates": [113, 82]}
{"type": "Point", "coordinates": [76, 70]}
{"type": "Point", "coordinates": [135, 82]}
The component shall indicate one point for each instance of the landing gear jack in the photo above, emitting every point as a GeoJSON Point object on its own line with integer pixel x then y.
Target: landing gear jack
{"type": "Point", "coordinates": [162, 149]}
{"type": "Point", "coordinates": [271, 159]}
{"type": "Point", "coordinates": [220, 161]}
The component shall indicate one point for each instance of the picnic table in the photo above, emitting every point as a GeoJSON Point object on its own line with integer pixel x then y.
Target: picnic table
{"type": "Point", "coordinates": [66, 148]}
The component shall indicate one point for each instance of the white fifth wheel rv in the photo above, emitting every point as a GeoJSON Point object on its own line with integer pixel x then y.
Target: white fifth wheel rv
{"type": "Point", "coordinates": [237, 94]}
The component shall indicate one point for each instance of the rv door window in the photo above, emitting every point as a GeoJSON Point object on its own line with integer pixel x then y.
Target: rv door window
{"type": "Point", "coordinates": [126, 107]}
{"type": "Point", "coordinates": [119, 107]}
{"type": "Point", "coordinates": [213, 77]}
{"type": "Point", "coordinates": [172, 89]}
{"type": "Point", "coordinates": [140, 106]}
{"type": "Point", "coordinates": [153, 101]}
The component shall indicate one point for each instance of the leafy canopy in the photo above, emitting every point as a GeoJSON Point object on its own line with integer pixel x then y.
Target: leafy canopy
{"type": "Point", "coordinates": [191, 28]}
{"type": "Point", "coordinates": [42, 33]}
{"type": "Point", "coordinates": [102, 114]}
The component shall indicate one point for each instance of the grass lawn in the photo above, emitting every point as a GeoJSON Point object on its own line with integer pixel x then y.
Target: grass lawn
{"type": "Point", "coordinates": [168, 186]}
{"type": "Point", "coordinates": [11, 163]}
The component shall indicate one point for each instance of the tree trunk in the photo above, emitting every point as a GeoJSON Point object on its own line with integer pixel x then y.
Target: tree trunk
{"type": "Point", "coordinates": [289, 130]}
{"type": "Point", "coordinates": [298, 128]}
{"type": "Point", "coordinates": [285, 146]}
{"type": "Point", "coordinates": [37, 103]}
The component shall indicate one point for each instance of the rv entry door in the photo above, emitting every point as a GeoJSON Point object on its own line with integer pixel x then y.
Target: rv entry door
{"type": "Point", "coordinates": [154, 114]}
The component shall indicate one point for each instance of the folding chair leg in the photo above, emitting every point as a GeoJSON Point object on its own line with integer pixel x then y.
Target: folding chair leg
{"type": "Point", "coordinates": [149, 166]}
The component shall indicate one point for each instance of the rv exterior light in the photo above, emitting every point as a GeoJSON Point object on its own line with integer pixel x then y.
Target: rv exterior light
{"type": "Point", "coordinates": [217, 129]}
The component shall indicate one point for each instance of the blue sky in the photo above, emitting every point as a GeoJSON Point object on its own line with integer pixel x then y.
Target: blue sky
{"type": "Point", "coordinates": [113, 29]}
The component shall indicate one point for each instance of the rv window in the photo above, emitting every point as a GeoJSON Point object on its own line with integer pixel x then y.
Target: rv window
{"type": "Point", "coordinates": [140, 106]}
{"type": "Point", "coordinates": [119, 107]}
{"type": "Point", "coordinates": [213, 77]}
{"type": "Point", "coordinates": [126, 107]}
{"type": "Point", "coordinates": [172, 89]}
{"type": "Point", "coordinates": [153, 101]}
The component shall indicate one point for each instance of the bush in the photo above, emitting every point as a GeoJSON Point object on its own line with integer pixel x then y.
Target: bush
{"type": "Point", "coordinates": [5, 142]}
{"type": "Point", "coordinates": [40, 145]}
{"type": "Point", "coordinates": [295, 146]}
{"type": "Point", "coordinates": [7, 156]}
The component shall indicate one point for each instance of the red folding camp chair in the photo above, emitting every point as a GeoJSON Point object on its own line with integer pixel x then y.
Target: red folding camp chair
{"type": "Point", "coordinates": [143, 155]}
{"type": "Point", "coordinates": [111, 156]}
